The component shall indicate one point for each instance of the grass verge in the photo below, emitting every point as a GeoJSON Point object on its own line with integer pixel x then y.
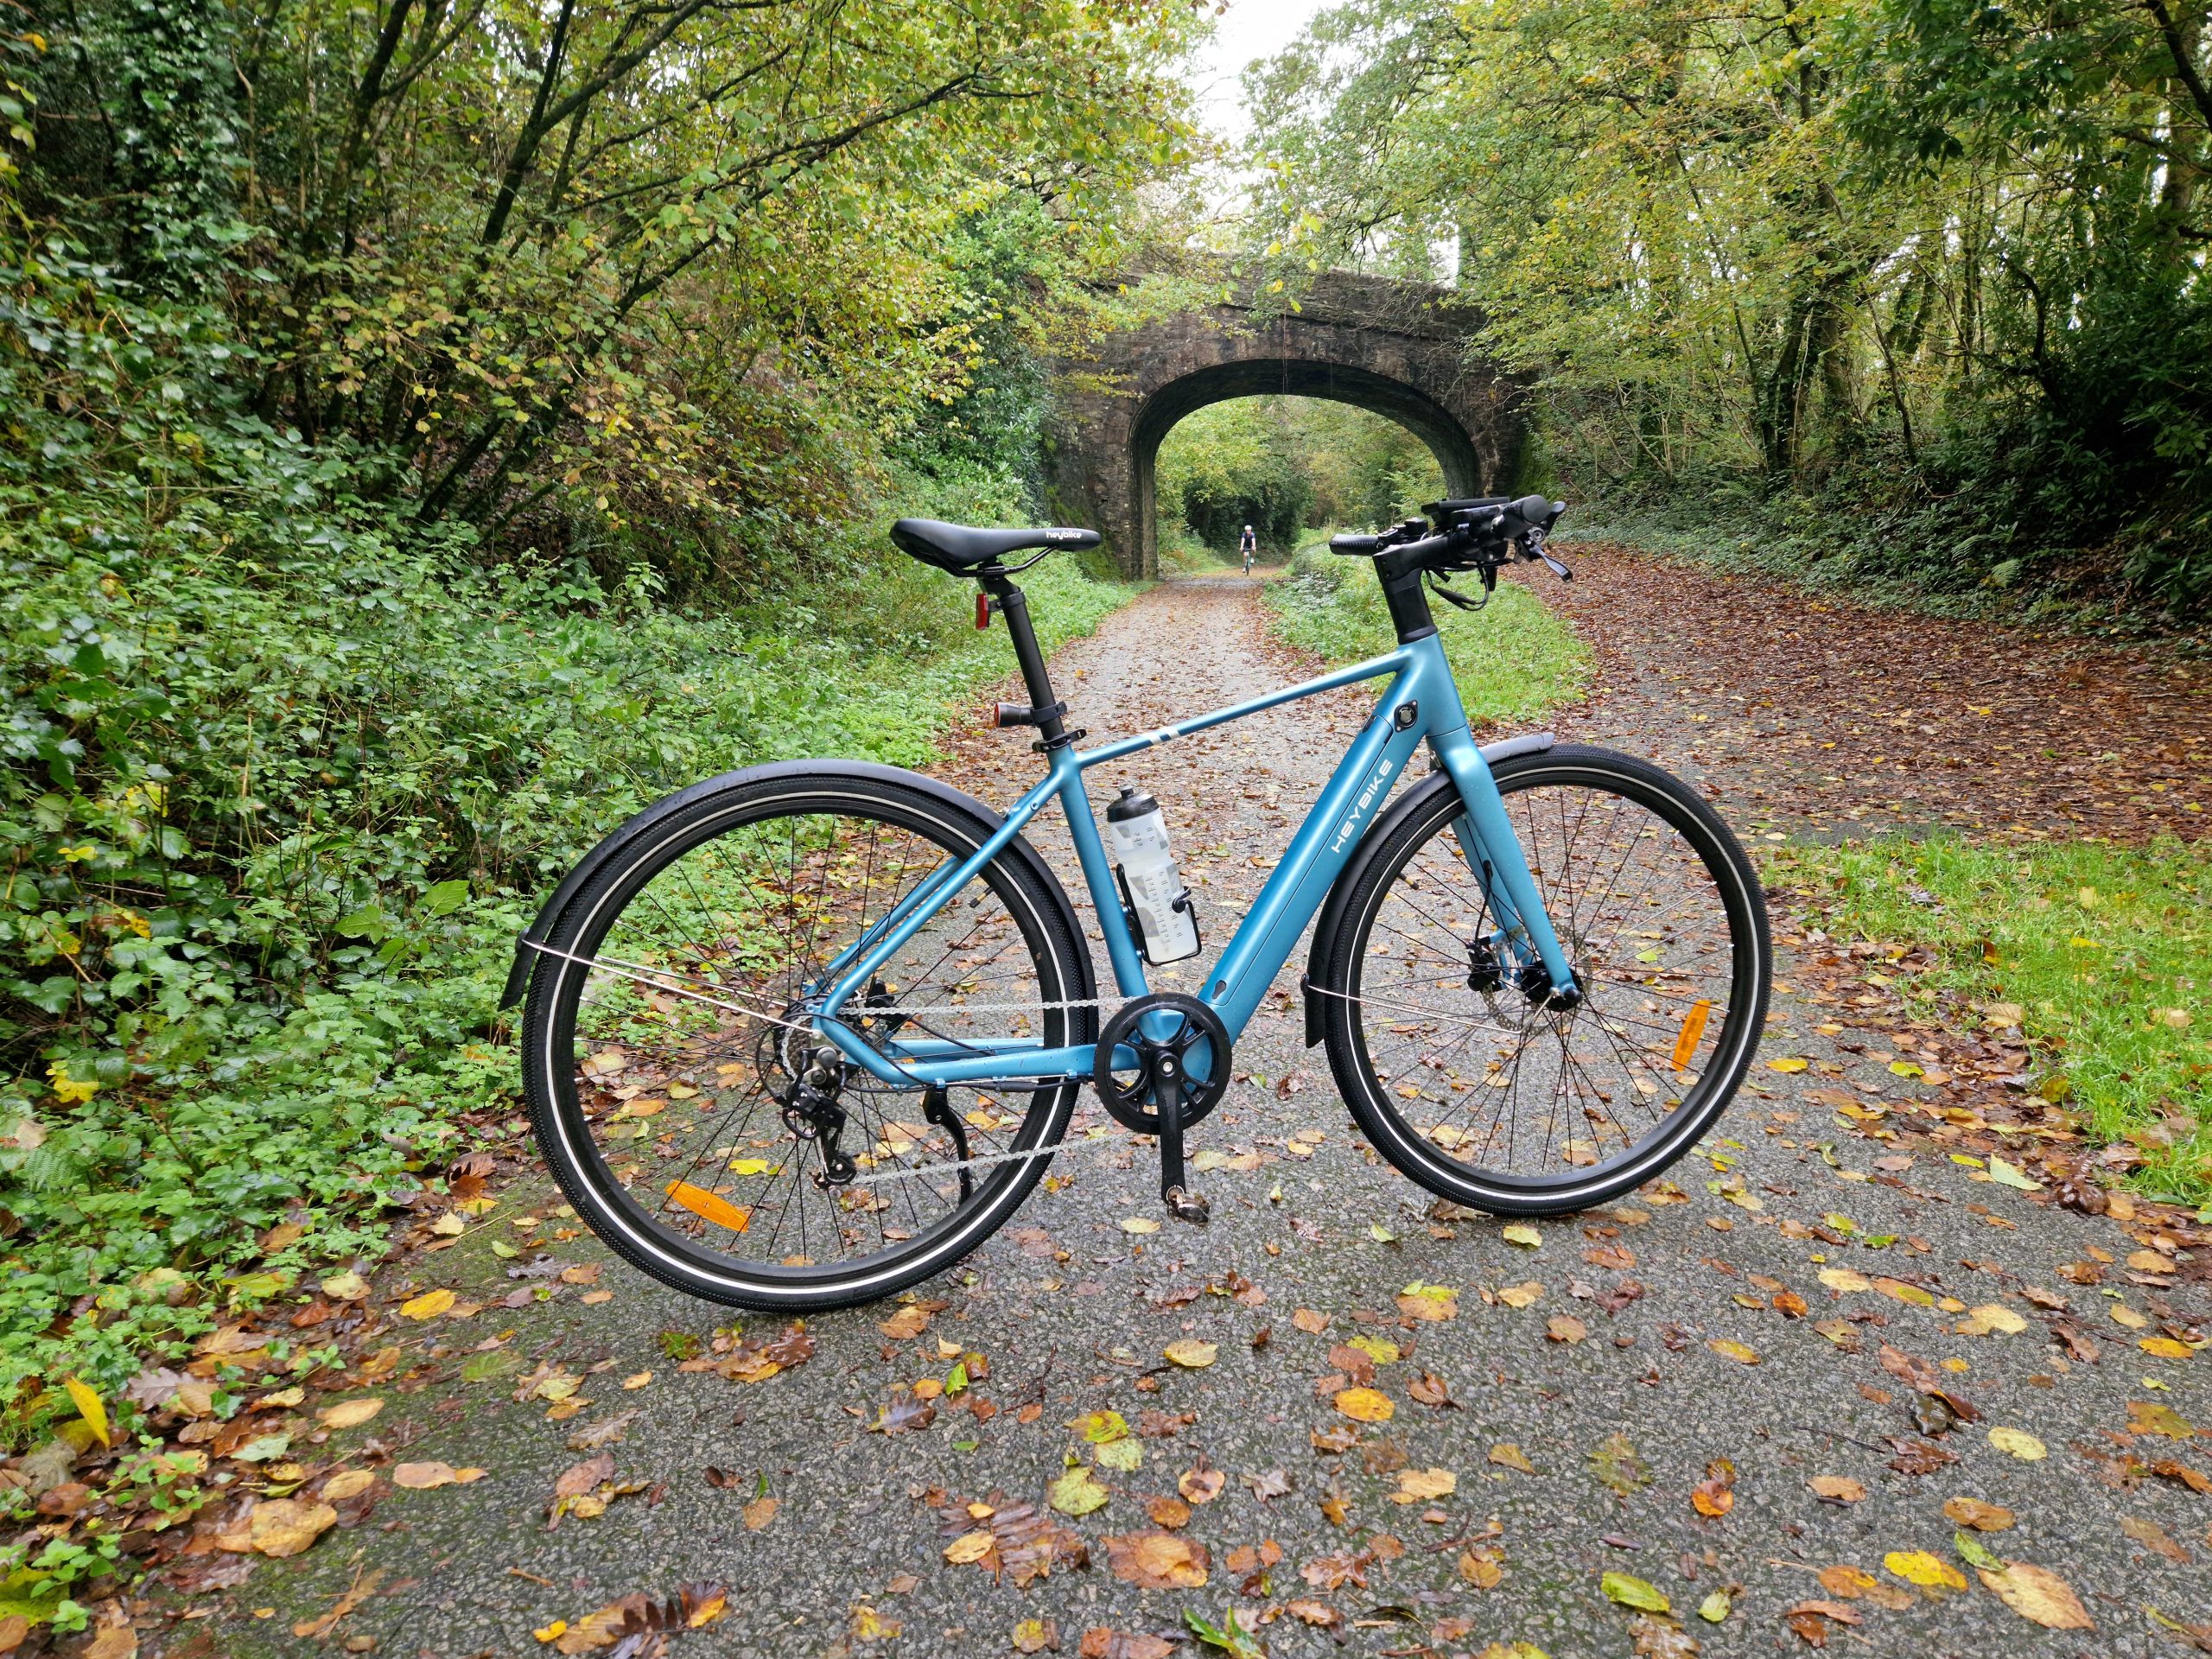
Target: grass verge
{"type": "Point", "coordinates": [1514, 659]}
{"type": "Point", "coordinates": [2101, 951]}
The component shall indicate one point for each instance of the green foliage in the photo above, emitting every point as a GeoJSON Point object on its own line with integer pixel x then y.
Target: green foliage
{"type": "Point", "coordinates": [2102, 950]}
{"type": "Point", "coordinates": [287, 768]}
{"type": "Point", "coordinates": [1923, 263]}
{"type": "Point", "coordinates": [1284, 464]}
{"type": "Point", "coordinates": [1514, 659]}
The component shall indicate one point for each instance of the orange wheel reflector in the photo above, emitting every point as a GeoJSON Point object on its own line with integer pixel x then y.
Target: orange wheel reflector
{"type": "Point", "coordinates": [1692, 1028]}
{"type": "Point", "coordinates": [711, 1206]}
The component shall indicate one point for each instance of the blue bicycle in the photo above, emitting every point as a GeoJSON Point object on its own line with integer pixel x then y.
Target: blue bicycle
{"type": "Point", "coordinates": [804, 1035]}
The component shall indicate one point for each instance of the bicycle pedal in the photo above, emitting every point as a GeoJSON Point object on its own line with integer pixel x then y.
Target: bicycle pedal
{"type": "Point", "coordinates": [1185, 1205]}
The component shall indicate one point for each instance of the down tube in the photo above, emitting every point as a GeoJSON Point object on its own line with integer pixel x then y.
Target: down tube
{"type": "Point", "coordinates": [1348, 807]}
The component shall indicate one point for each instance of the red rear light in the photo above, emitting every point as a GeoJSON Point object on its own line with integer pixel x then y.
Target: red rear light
{"type": "Point", "coordinates": [983, 610]}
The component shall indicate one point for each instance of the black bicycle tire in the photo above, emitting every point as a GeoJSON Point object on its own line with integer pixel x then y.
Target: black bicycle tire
{"type": "Point", "coordinates": [1368, 881]}
{"type": "Point", "coordinates": [1039, 907]}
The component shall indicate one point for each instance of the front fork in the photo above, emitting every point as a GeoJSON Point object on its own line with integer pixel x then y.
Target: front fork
{"type": "Point", "coordinates": [1525, 937]}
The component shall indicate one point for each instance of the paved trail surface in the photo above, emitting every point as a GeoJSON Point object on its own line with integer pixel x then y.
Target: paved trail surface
{"type": "Point", "coordinates": [1553, 1430]}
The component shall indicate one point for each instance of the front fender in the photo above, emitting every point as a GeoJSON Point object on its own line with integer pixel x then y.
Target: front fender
{"type": "Point", "coordinates": [1412, 800]}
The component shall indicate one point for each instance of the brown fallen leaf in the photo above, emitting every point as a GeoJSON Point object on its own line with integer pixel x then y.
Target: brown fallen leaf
{"type": "Point", "coordinates": [1310, 1322]}
{"type": "Point", "coordinates": [316, 1629]}
{"type": "Point", "coordinates": [1100, 1643]}
{"type": "Point", "coordinates": [350, 1413]}
{"type": "Point", "coordinates": [424, 1477]}
{"type": "Point", "coordinates": [348, 1483]}
{"type": "Point", "coordinates": [581, 1477]}
{"type": "Point", "coordinates": [1319, 1614]}
{"type": "Point", "coordinates": [1201, 1485]}
{"type": "Point", "coordinates": [1169, 1512]}
{"type": "Point", "coordinates": [1973, 1512]}
{"type": "Point", "coordinates": [1035, 1635]}
{"type": "Point", "coordinates": [1157, 1561]}
{"type": "Point", "coordinates": [760, 1512]}
{"type": "Point", "coordinates": [1564, 1327]}
{"type": "Point", "coordinates": [1715, 1494]}
{"type": "Point", "coordinates": [909, 1321]}
{"type": "Point", "coordinates": [1507, 1455]}
{"type": "Point", "coordinates": [285, 1526]}
{"type": "Point", "coordinates": [2155, 1538]}
{"type": "Point", "coordinates": [2039, 1595]}
{"type": "Point", "coordinates": [1839, 1488]}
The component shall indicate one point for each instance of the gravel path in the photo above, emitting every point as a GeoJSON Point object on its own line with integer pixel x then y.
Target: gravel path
{"type": "Point", "coordinates": [1777, 1319]}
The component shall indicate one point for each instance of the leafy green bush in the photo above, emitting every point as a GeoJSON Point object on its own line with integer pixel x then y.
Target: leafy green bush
{"type": "Point", "coordinates": [286, 772]}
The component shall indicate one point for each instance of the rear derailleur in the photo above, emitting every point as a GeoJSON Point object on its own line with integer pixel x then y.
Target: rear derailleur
{"type": "Point", "coordinates": [1182, 1052]}
{"type": "Point", "coordinates": [810, 1112]}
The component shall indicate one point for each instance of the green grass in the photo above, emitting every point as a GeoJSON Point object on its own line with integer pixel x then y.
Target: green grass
{"type": "Point", "coordinates": [1514, 659]}
{"type": "Point", "coordinates": [2104, 951]}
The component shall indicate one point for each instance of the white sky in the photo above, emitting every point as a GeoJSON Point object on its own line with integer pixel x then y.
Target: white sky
{"type": "Point", "coordinates": [1249, 29]}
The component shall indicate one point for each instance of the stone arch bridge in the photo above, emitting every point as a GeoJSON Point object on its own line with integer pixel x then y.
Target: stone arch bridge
{"type": "Point", "coordinates": [1398, 348]}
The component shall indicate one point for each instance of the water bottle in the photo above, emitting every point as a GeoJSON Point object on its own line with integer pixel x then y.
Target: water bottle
{"type": "Point", "coordinates": [1138, 831]}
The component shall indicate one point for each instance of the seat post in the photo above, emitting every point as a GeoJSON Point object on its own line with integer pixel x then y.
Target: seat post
{"type": "Point", "coordinates": [1007, 597]}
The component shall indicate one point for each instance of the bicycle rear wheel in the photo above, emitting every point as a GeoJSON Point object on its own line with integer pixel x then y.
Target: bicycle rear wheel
{"type": "Point", "coordinates": [1478, 1092]}
{"type": "Point", "coordinates": [668, 1032]}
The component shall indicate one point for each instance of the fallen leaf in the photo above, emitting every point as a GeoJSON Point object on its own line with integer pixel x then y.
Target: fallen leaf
{"type": "Point", "coordinates": [1076, 1492]}
{"type": "Point", "coordinates": [1929, 1572]}
{"type": "Point", "coordinates": [1631, 1592]}
{"type": "Point", "coordinates": [1481, 1568]}
{"type": "Point", "coordinates": [1201, 1485]}
{"type": "Point", "coordinates": [1102, 1643]}
{"type": "Point", "coordinates": [1169, 1512]}
{"type": "Point", "coordinates": [2039, 1596]}
{"type": "Point", "coordinates": [285, 1526]}
{"type": "Point", "coordinates": [1507, 1455]}
{"type": "Point", "coordinates": [760, 1511]}
{"type": "Point", "coordinates": [1520, 1233]}
{"type": "Point", "coordinates": [1616, 1464]}
{"type": "Point", "coordinates": [92, 1409]}
{"type": "Point", "coordinates": [2018, 1443]}
{"type": "Point", "coordinates": [2154, 1537]}
{"type": "Point", "coordinates": [1837, 1489]}
{"type": "Point", "coordinates": [1715, 1494]}
{"type": "Point", "coordinates": [1728, 1348]}
{"type": "Point", "coordinates": [422, 1477]}
{"type": "Point", "coordinates": [1310, 1322]}
{"type": "Point", "coordinates": [1787, 1064]}
{"type": "Point", "coordinates": [2149, 1417]}
{"type": "Point", "coordinates": [1140, 1224]}
{"type": "Point", "coordinates": [1157, 1561]}
{"type": "Point", "coordinates": [1418, 1485]}
{"type": "Point", "coordinates": [908, 1321]}
{"type": "Point", "coordinates": [1191, 1354]}
{"type": "Point", "coordinates": [1034, 1635]}
{"type": "Point", "coordinates": [1365, 1405]}
{"type": "Point", "coordinates": [348, 1483]}
{"type": "Point", "coordinates": [1990, 1317]}
{"type": "Point", "coordinates": [2165, 1348]}
{"type": "Point", "coordinates": [316, 1629]}
{"type": "Point", "coordinates": [1564, 1327]}
{"type": "Point", "coordinates": [970, 1547]}
{"type": "Point", "coordinates": [427, 1305]}
{"type": "Point", "coordinates": [1520, 1295]}
{"type": "Point", "coordinates": [350, 1413]}
{"type": "Point", "coordinates": [1972, 1512]}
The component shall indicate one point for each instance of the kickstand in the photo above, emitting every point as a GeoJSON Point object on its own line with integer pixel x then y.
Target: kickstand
{"type": "Point", "coordinates": [1182, 1204]}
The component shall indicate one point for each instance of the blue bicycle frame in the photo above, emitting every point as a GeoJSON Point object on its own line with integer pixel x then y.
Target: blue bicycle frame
{"type": "Point", "coordinates": [1421, 704]}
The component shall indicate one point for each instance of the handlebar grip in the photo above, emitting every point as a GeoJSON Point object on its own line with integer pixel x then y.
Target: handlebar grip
{"type": "Point", "coordinates": [1354, 545]}
{"type": "Point", "coordinates": [1532, 509]}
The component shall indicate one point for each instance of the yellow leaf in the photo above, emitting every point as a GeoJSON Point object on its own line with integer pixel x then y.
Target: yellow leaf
{"type": "Point", "coordinates": [88, 1400]}
{"type": "Point", "coordinates": [709, 1206]}
{"type": "Point", "coordinates": [1381, 1350]}
{"type": "Point", "coordinates": [1522, 1233]}
{"type": "Point", "coordinates": [552, 1632]}
{"type": "Point", "coordinates": [348, 1483]}
{"type": "Point", "coordinates": [1191, 1354]}
{"type": "Point", "coordinates": [1366, 1405]}
{"type": "Point", "coordinates": [1992, 1317]}
{"type": "Point", "coordinates": [970, 1547]}
{"type": "Point", "coordinates": [753, 1167]}
{"type": "Point", "coordinates": [1845, 1279]}
{"type": "Point", "coordinates": [1507, 1455]}
{"type": "Point", "coordinates": [2018, 1443]}
{"type": "Point", "coordinates": [2039, 1596]}
{"type": "Point", "coordinates": [1789, 1063]}
{"type": "Point", "coordinates": [2164, 1347]}
{"type": "Point", "coordinates": [350, 1413]}
{"type": "Point", "coordinates": [1523, 1295]}
{"type": "Point", "coordinates": [1417, 1485]}
{"type": "Point", "coordinates": [1140, 1224]}
{"type": "Point", "coordinates": [427, 1305]}
{"type": "Point", "coordinates": [285, 1526]}
{"type": "Point", "coordinates": [1729, 1348]}
{"type": "Point", "coordinates": [1928, 1571]}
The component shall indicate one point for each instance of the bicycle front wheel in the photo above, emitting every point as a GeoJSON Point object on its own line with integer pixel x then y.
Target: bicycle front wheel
{"type": "Point", "coordinates": [1481, 1093]}
{"type": "Point", "coordinates": [690, 1108]}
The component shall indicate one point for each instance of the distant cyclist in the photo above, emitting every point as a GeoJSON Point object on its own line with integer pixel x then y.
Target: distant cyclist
{"type": "Point", "coordinates": [1247, 545]}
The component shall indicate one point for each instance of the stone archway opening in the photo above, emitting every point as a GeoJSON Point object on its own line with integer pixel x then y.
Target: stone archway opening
{"type": "Point", "coordinates": [1436, 427]}
{"type": "Point", "coordinates": [1402, 350]}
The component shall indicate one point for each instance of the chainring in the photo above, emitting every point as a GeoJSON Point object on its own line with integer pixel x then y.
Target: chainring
{"type": "Point", "coordinates": [1133, 1103]}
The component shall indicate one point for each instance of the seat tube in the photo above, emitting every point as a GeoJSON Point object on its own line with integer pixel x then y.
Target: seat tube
{"type": "Point", "coordinates": [1494, 852]}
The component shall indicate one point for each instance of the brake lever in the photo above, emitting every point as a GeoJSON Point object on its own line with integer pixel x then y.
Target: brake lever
{"type": "Point", "coordinates": [1535, 546]}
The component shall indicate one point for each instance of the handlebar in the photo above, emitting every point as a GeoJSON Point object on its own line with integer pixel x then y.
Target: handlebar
{"type": "Point", "coordinates": [1482, 530]}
